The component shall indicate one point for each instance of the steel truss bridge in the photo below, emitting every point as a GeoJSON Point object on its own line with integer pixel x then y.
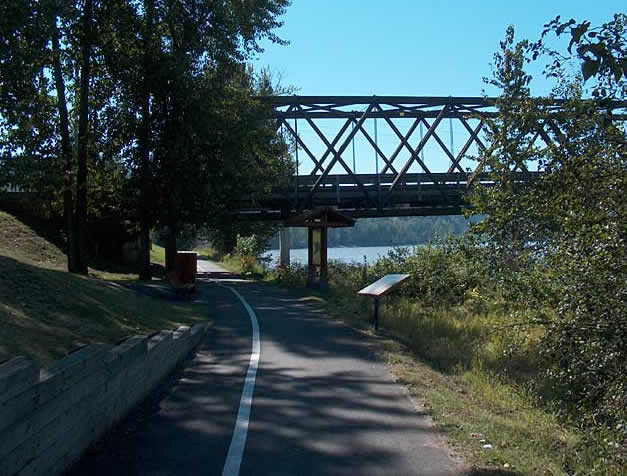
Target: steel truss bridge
{"type": "Point", "coordinates": [407, 181]}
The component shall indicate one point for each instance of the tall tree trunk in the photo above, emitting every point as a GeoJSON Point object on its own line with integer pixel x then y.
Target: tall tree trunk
{"type": "Point", "coordinates": [229, 239]}
{"type": "Point", "coordinates": [144, 149]}
{"type": "Point", "coordinates": [66, 148]}
{"type": "Point", "coordinates": [144, 243]}
{"type": "Point", "coordinates": [170, 249]}
{"type": "Point", "coordinates": [83, 139]}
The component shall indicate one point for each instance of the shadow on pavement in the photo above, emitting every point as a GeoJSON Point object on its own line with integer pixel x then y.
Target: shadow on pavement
{"type": "Point", "coordinates": [322, 403]}
{"type": "Point", "coordinates": [218, 275]}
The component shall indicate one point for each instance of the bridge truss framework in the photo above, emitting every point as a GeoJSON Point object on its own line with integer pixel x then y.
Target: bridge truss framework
{"type": "Point", "coordinates": [394, 190]}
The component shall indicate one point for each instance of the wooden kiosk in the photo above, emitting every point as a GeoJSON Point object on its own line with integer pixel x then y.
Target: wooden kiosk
{"type": "Point", "coordinates": [318, 222]}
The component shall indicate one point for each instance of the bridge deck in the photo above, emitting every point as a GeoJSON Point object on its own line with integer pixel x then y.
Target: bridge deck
{"type": "Point", "coordinates": [370, 195]}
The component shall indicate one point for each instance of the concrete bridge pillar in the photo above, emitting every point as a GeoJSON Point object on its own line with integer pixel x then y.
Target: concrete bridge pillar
{"type": "Point", "coordinates": [284, 243]}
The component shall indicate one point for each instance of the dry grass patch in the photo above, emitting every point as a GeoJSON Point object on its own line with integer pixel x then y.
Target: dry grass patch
{"type": "Point", "coordinates": [46, 312]}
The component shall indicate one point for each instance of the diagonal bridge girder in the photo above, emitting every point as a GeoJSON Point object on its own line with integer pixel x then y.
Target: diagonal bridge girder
{"type": "Point", "coordinates": [395, 189]}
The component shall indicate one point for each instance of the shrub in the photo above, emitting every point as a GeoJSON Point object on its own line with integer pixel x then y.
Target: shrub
{"type": "Point", "coordinates": [442, 272]}
{"type": "Point", "coordinates": [292, 275]}
{"type": "Point", "coordinates": [249, 246]}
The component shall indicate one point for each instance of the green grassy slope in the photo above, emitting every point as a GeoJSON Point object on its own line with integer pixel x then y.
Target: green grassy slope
{"type": "Point", "coordinates": [46, 312]}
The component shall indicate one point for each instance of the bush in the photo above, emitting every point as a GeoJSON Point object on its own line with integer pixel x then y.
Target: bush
{"type": "Point", "coordinates": [292, 275]}
{"type": "Point", "coordinates": [249, 246]}
{"type": "Point", "coordinates": [247, 264]}
{"type": "Point", "coordinates": [442, 272]}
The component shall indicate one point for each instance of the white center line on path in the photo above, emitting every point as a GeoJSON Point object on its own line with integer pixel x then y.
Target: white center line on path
{"type": "Point", "coordinates": [238, 442]}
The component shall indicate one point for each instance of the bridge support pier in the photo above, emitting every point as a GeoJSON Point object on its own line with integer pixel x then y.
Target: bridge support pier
{"type": "Point", "coordinates": [284, 244]}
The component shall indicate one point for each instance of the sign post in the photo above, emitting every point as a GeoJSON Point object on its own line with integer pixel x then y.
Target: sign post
{"type": "Point", "coordinates": [380, 288]}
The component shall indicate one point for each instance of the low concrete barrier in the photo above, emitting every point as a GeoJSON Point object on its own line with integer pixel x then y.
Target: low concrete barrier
{"type": "Point", "coordinates": [49, 416]}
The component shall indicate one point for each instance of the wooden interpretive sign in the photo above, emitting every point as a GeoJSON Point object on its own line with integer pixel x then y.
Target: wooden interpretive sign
{"type": "Point", "coordinates": [384, 285]}
{"type": "Point", "coordinates": [380, 288]}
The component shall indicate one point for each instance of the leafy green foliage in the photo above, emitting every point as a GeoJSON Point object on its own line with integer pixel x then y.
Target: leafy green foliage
{"type": "Point", "coordinates": [559, 242]}
{"type": "Point", "coordinates": [444, 272]}
{"type": "Point", "coordinates": [28, 141]}
{"type": "Point", "coordinates": [203, 140]}
{"type": "Point", "coordinates": [601, 52]}
{"type": "Point", "coordinates": [294, 275]}
{"type": "Point", "coordinates": [250, 246]}
{"type": "Point", "coordinates": [249, 250]}
{"type": "Point", "coordinates": [441, 272]}
{"type": "Point", "coordinates": [168, 132]}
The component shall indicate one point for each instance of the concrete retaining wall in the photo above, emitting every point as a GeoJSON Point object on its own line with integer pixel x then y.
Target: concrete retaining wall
{"type": "Point", "coordinates": [49, 416]}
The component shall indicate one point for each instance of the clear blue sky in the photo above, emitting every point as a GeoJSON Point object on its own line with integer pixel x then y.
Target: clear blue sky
{"type": "Point", "coordinates": [405, 47]}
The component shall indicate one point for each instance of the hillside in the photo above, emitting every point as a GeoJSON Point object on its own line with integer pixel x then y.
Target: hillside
{"type": "Point", "coordinates": [21, 242]}
{"type": "Point", "coordinates": [46, 312]}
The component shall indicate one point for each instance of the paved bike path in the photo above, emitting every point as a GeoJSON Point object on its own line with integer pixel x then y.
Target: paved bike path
{"type": "Point", "coordinates": [323, 403]}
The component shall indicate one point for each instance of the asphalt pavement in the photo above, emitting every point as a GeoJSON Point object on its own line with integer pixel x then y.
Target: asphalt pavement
{"type": "Point", "coordinates": [323, 404]}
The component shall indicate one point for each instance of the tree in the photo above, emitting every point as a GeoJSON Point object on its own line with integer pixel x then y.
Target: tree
{"type": "Point", "coordinates": [565, 232]}
{"type": "Point", "coordinates": [601, 52]}
{"type": "Point", "coordinates": [27, 112]}
{"type": "Point", "coordinates": [143, 99]}
{"type": "Point", "coordinates": [46, 85]}
{"type": "Point", "coordinates": [204, 125]}
{"type": "Point", "coordinates": [86, 39]}
{"type": "Point", "coordinates": [66, 145]}
{"type": "Point", "coordinates": [144, 145]}
{"type": "Point", "coordinates": [517, 233]}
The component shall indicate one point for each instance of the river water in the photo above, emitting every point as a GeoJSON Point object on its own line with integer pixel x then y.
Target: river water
{"type": "Point", "coordinates": [344, 254]}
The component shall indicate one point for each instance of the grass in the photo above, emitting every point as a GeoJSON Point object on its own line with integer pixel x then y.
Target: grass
{"type": "Point", "coordinates": [157, 254]}
{"type": "Point", "coordinates": [477, 408]}
{"type": "Point", "coordinates": [121, 272]}
{"type": "Point", "coordinates": [46, 312]}
{"type": "Point", "coordinates": [461, 367]}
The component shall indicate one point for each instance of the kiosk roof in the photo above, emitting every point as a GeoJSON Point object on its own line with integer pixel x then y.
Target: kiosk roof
{"type": "Point", "coordinates": [323, 217]}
